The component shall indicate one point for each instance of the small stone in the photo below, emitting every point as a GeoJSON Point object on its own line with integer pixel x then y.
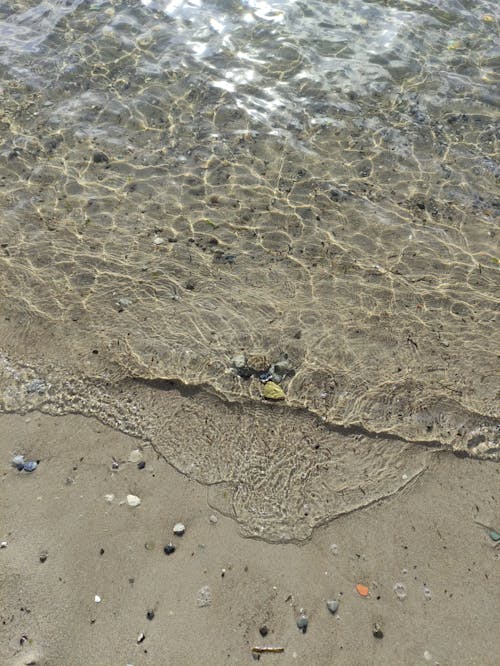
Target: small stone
{"type": "Point", "coordinates": [43, 556]}
{"type": "Point", "coordinates": [272, 391]}
{"type": "Point", "coordinates": [377, 631]}
{"type": "Point", "coordinates": [149, 545]}
{"type": "Point", "coordinates": [204, 597]}
{"type": "Point", "coordinates": [99, 157]}
{"type": "Point", "coordinates": [239, 361]}
{"type": "Point", "coordinates": [3, 544]}
{"type": "Point", "coordinates": [190, 285]}
{"type": "Point", "coordinates": [141, 464]}
{"type": "Point", "coordinates": [427, 592]}
{"type": "Point", "coordinates": [36, 386]}
{"type": "Point", "coordinates": [494, 535]}
{"type": "Point", "coordinates": [169, 549]}
{"type": "Point", "coordinates": [263, 631]}
{"type": "Point", "coordinates": [109, 498]}
{"type": "Point", "coordinates": [30, 466]}
{"type": "Point", "coordinates": [18, 462]}
{"type": "Point", "coordinates": [150, 614]}
{"type": "Point", "coordinates": [158, 240]}
{"type": "Point", "coordinates": [334, 549]}
{"type": "Point", "coordinates": [141, 637]}
{"type": "Point", "coordinates": [179, 529]}
{"type": "Point", "coordinates": [400, 591]}
{"type": "Point", "coordinates": [213, 519]}
{"type": "Point", "coordinates": [133, 500]}
{"type": "Point", "coordinates": [135, 456]}
{"type": "Point", "coordinates": [302, 622]}
{"type": "Point", "coordinates": [97, 599]}
{"type": "Point", "coordinates": [332, 605]}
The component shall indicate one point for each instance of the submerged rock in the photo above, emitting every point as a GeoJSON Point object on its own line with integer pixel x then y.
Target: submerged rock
{"type": "Point", "coordinates": [271, 391]}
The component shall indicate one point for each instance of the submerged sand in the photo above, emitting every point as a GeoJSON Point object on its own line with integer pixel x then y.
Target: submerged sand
{"type": "Point", "coordinates": [425, 537]}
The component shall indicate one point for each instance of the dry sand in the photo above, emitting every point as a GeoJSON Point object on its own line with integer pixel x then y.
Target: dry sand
{"type": "Point", "coordinates": [426, 535]}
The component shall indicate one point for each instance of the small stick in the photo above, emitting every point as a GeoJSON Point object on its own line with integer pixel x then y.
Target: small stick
{"type": "Point", "coordinates": [259, 650]}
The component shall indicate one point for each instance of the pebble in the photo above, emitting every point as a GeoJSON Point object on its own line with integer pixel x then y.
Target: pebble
{"type": "Point", "coordinates": [239, 361]}
{"type": "Point", "coordinates": [158, 240]}
{"type": "Point", "coordinates": [334, 549]}
{"type": "Point", "coordinates": [141, 464]}
{"type": "Point", "coordinates": [332, 605]}
{"type": "Point", "coordinates": [272, 391]}
{"type": "Point", "coordinates": [141, 637]}
{"type": "Point", "coordinates": [213, 519]}
{"type": "Point", "coordinates": [18, 462]}
{"type": "Point", "coordinates": [179, 529]}
{"type": "Point", "coordinates": [3, 544]}
{"type": "Point", "coordinates": [133, 500]}
{"type": "Point", "coordinates": [36, 386]}
{"type": "Point", "coordinates": [150, 614]}
{"type": "Point", "coordinates": [135, 456]}
{"type": "Point", "coordinates": [427, 593]}
{"type": "Point", "coordinates": [43, 556]}
{"type": "Point", "coordinates": [263, 631]}
{"type": "Point", "coordinates": [302, 622]}
{"type": "Point", "coordinates": [109, 498]}
{"type": "Point", "coordinates": [204, 597]}
{"type": "Point", "coordinates": [377, 631]}
{"type": "Point", "coordinates": [30, 466]}
{"type": "Point", "coordinates": [97, 599]}
{"type": "Point", "coordinates": [169, 549]}
{"type": "Point", "coordinates": [400, 591]}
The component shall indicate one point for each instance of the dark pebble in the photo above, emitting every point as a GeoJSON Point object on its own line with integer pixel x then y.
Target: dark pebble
{"type": "Point", "coordinates": [43, 557]}
{"type": "Point", "coordinates": [98, 157]}
{"type": "Point", "coordinates": [377, 631]}
{"type": "Point", "coordinates": [263, 631]}
{"type": "Point", "coordinates": [141, 464]}
{"type": "Point", "coordinates": [150, 615]}
{"type": "Point", "coordinates": [169, 549]}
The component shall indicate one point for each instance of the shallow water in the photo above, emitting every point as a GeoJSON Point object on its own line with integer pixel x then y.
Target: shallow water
{"type": "Point", "coordinates": [312, 183]}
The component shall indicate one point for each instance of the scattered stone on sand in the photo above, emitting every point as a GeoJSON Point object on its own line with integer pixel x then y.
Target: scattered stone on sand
{"type": "Point", "coordinates": [30, 465]}
{"type": "Point", "coordinates": [18, 462]}
{"type": "Point", "coordinates": [141, 464]}
{"type": "Point", "coordinates": [334, 549]}
{"type": "Point", "coordinates": [109, 498]}
{"type": "Point", "coordinates": [302, 622]}
{"type": "Point", "coordinates": [239, 361]}
{"type": "Point", "coordinates": [3, 544]}
{"type": "Point", "coordinates": [150, 614]}
{"type": "Point", "coordinates": [213, 519]}
{"type": "Point", "coordinates": [263, 631]}
{"type": "Point", "coordinates": [332, 605]}
{"type": "Point", "coordinates": [179, 529]}
{"type": "Point", "coordinates": [135, 456]}
{"type": "Point", "coordinates": [400, 591]}
{"type": "Point", "coordinates": [204, 597]}
{"type": "Point", "coordinates": [36, 386]}
{"type": "Point", "coordinates": [97, 599]}
{"type": "Point", "coordinates": [133, 500]}
{"type": "Point", "coordinates": [427, 592]}
{"type": "Point", "coordinates": [272, 391]}
{"type": "Point", "coordinates": [99, 157]}
{"type": "Point", "coordinates": [169, 549]}
{"type": "Point", "coordinates": [377, 631]}
{"type": "Point", "coordinates": [141, 637]}
{"type": "Point", "coordinates": [43, 556]}
{"type": "Point", "coordinates": [158, 240]}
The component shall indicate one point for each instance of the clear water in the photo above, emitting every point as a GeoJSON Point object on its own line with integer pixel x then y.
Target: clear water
{"type": "Point", "coordinates": [185, 182]}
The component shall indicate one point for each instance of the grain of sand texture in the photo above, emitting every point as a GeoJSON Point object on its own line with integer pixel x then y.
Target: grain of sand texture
{"type": "Point", "coordinates": [426, 538]}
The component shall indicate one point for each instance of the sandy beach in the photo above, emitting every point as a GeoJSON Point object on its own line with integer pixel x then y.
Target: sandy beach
{"type": "Point", "coordinates": [85, 579]}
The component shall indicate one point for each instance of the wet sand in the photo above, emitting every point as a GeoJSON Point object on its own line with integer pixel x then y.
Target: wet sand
{"type": "Point", "coordinates": [424, 536]}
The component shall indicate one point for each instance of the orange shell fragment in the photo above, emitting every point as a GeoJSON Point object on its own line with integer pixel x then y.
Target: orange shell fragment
{"type": "Point", "coordinates": [362, 590]}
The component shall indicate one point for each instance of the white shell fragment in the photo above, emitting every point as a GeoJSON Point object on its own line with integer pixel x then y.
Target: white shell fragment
{"type": "Point", "coordinates": [97, 599]}
{"type": "Point", "coordinates": [135, 456]}
{"type": "Point", "coordinates": [179, 529]}
{"type": "Point", "coordinates": [133, 500]}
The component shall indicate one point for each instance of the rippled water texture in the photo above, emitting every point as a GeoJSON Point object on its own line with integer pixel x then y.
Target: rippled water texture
{"type": "Point", "coordinates": [182, 183]}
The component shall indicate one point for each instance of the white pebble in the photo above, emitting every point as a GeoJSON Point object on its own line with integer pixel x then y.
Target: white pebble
{"type": "Point", "coordinates": [179, 529]}
{"type": "Point", "coordinates": [109, 498]}
{"type": "Point", "coordinates": [3, 544]}
{"type": "Point", "coordinates": [97, 599]}
{"type": "Point", "coordinates": [204, 597]}
{"type": "Point", "coordinates": [135, 456]}
{"type": "Point", "coordinates": [133, 500]}
{"type": "Point", "coordinates": [213, 519]}
{"type": "Point", "coordinates": [158, 240]}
